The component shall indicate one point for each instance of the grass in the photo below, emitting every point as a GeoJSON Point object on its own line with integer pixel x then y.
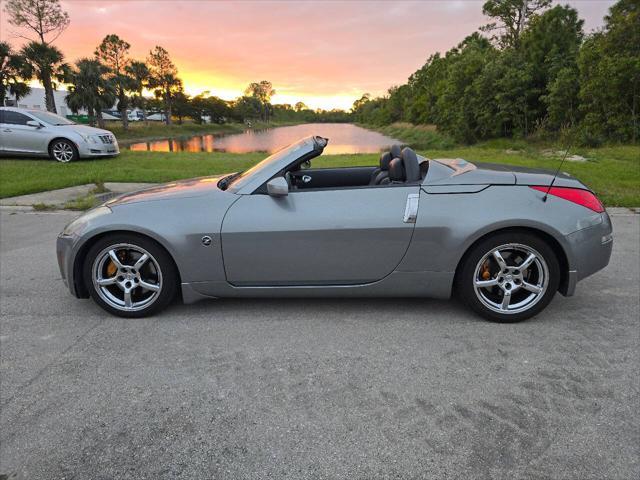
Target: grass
{"type": "Point", "coordinates": [612, 172]}
{"type": "Point", "coordinates": [420, 137]}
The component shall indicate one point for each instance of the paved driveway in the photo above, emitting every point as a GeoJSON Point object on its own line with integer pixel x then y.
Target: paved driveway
{"type": "Point", "coordinates": [314, 388]}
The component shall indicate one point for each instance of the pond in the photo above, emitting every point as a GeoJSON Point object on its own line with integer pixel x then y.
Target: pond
{"type": "Point", "coordinates": [343, 138]}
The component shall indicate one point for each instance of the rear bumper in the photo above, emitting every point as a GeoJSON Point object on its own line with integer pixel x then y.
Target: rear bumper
{"type": "Point", "coordinates": [590, 251]}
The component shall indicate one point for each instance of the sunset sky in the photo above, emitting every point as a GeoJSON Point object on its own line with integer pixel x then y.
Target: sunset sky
{"type": "Point", "coordinates": [325, 53]}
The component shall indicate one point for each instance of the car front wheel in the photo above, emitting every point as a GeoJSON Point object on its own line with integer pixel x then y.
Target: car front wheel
{"type": "Point", "coordinates": [509, 277]}
{"type": "Point", "coordinates": [63, 151]}
{"type": "Point", "coordinates": [130, 276]}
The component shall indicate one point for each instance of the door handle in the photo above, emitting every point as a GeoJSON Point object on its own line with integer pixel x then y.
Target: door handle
{"type": "Point", "coordinates": [411, 209]}
{"type": "Point", "coordinates": [306, 178]}
{"type": "Point", "coordinates": [7, 130]}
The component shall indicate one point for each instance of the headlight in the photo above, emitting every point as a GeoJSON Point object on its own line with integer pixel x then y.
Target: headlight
{"type": "Point", "coordinates": [81, 222]}
{"type": "Point", "coordinates": [88, 138]}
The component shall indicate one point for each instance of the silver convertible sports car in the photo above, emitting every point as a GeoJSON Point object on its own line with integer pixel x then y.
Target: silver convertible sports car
{"type": "Point", "coordinates": [504, 239]}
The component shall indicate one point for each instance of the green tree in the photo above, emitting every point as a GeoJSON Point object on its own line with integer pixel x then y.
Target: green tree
{"type": "Point", "coordinates": [300, 106]}
{"type": "Point", "coordinates": [45, 18]}
{"type": "Point", "coordinates": [205, 105]}
{"type": "Point", "coordinates": [46, 63]}
{"type": "Point", "coordinates": [164, 79]}
{"type": "Point", "coordinates": [263, 91]}
{"type": "Point", "coordinates": [113, 52]}
{"type": "Point", "coordinates": [510, 18]}
{"type": "Point", "coordinates": [13, 72]}
{"type": "Point", "coordinates": [90, 88]}
{"type": "Point", "coordinates": [609, 65]}
{"type": "Point", "coordinates": [247, 108]}
{"type": "Point", "coordinates": [139, 74]}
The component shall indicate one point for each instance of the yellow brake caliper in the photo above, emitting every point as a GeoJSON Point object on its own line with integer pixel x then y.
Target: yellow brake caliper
{"type": "Point", "coordinates": [486, 274]}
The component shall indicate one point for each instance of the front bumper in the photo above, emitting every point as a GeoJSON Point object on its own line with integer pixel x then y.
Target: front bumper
{"type": "Point", "coordinates": [89, 150]}
{"type": "Point", "coordinates": [64, 253]}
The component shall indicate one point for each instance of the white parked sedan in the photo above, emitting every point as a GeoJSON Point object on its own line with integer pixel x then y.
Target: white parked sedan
{"type": "Point", "coordinates": [39, 133]}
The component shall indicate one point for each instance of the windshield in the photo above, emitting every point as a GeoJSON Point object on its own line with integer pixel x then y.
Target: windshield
{"type": "Point", "coordinates": [266, 163]}
{"type": "Point", "coordinates": [51, 118]}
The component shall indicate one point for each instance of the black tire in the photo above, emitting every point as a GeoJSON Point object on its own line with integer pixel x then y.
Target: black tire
{"type": "Point", "coordinates": [63, 151]}
{"type": "Point", "coordinates": [465, 281]}
{"type": "Point", "coordinates": [161, 259]}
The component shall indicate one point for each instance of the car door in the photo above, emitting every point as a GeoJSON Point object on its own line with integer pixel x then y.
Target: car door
{"type": "Point", "coordinates": [19, 137]}
{"type": "Point", "coordinates": [317, 237]}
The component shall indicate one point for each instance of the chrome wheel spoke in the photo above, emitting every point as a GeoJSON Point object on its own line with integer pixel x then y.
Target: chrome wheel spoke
{"type": "Point", "coordinates": [148, 286]}
{"type": "Point", "coordinates": [486, 283]}
{"type": "Point", "coordinates": [127, 299]}
{"type": "Point", "coordinates": [506, 300]}
{"type": "Point", "coordinates": [115, 259]}
{"type": "Point", "coordinates": [103, 282]}
{"type": "Point", "coordinates": [498, 257]}
{"type": "Point", "coordinates": [528, 261]}
{"type": "Point", "coordinates": [531, 288]}
{"type": "Point", "coordinates": [141, 261]}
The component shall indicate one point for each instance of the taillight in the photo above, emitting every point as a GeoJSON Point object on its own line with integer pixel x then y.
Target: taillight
{"type": "Point", "coordinates": [575, 195]}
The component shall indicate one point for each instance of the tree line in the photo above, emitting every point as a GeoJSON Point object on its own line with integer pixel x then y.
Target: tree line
{"type": "Point", "coordinates": [531, 71]}
{"type": "Point", "coordinates": [112, 77]}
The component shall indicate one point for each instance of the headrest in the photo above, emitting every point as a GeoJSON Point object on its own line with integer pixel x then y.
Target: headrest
{"type": "Point", "coordinates": [396, 170]}
{"type": "Point", "coordinates": [385, 158]}
{"type": "Point", "coordinates": [396, 151]}
{"type": "Point", "coordinates": [411, 165]}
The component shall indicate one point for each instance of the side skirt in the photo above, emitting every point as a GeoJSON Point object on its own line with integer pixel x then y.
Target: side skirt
{"type": "Point", "coordinates": [397, 284]}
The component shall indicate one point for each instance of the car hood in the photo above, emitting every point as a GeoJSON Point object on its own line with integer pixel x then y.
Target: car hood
{"type": "Point", "coordinates": [85, 130]}
{"type": "Point", "coordinates": [179, 189]}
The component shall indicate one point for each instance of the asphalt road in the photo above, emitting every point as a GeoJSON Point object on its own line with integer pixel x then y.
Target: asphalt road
{"type": "Point", "coordinates": [236, 389]}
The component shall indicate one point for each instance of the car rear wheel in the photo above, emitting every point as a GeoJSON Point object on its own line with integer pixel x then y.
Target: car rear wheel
{"type": "Point", "coordinates": [63, 151]}
{"type": "Point", "coordinates": [130, 276]}
{"type": "Point", "coordinates": [509, 277]}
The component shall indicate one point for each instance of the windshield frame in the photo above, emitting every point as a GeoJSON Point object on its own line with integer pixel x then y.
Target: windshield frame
{"type": "Point", "coordinates": [251, 179]}
{"type": "Point", "coordinates": [48, 117]}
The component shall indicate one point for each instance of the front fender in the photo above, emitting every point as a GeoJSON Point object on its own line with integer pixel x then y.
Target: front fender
{"type": "Point", "coordinates": [178, 225]}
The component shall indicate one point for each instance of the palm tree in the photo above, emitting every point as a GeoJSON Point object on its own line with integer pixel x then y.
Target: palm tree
{"type": "Point", "coordinates": [139, 73]}
{"type": "Point", "coordinates": [164, 78]}
{"type": "Point", "coordinates": [46, 63]}
{"type": "Point", "coordinates": [13, 72]}
{"type": "Point", "coordinates": [90, 89]}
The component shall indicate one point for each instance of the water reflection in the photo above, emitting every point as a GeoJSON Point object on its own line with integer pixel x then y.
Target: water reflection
{"type": "Point", "coordinates": [344, 138]}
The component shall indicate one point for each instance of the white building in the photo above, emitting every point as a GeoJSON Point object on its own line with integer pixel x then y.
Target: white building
{"type": "Point", "coordinates": [35, 99]}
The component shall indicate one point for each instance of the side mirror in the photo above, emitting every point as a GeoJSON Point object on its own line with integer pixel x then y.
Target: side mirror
{"type": "Point", "coordinates": [34, 124]}
{"type": "Point", "coordinates": [278, 187]}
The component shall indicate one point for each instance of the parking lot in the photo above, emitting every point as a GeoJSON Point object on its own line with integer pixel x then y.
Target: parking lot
{"type": "Point", "coordinates": [321, 388]}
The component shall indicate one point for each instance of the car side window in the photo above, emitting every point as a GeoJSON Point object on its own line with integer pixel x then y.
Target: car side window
{"type": "Point", "coordinates": [15, 118]}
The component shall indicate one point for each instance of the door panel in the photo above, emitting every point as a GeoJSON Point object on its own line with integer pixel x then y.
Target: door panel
{"type": "Point", "coordinates": [332, 177]}
{"type": "Point", "coordinates": [328, 237]}
{"type": "Point", "coordinates": [17, 136]}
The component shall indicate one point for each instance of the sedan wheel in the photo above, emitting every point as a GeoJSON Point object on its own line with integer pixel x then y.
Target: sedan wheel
{"type": "Point", "coordinates": [63, 151]}
{"type": "Point", "coordinates": [509, 281]}
{"type": "Point", "coordinates": [130, 276]}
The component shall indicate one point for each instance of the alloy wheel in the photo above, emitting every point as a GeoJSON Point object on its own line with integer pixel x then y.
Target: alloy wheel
{"type": "Point", "coordinates": [127, 277]}
{"type": "Point", "coordinates": [511, 278]}
{"type": "Point", "coordinates": [62, 152]}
